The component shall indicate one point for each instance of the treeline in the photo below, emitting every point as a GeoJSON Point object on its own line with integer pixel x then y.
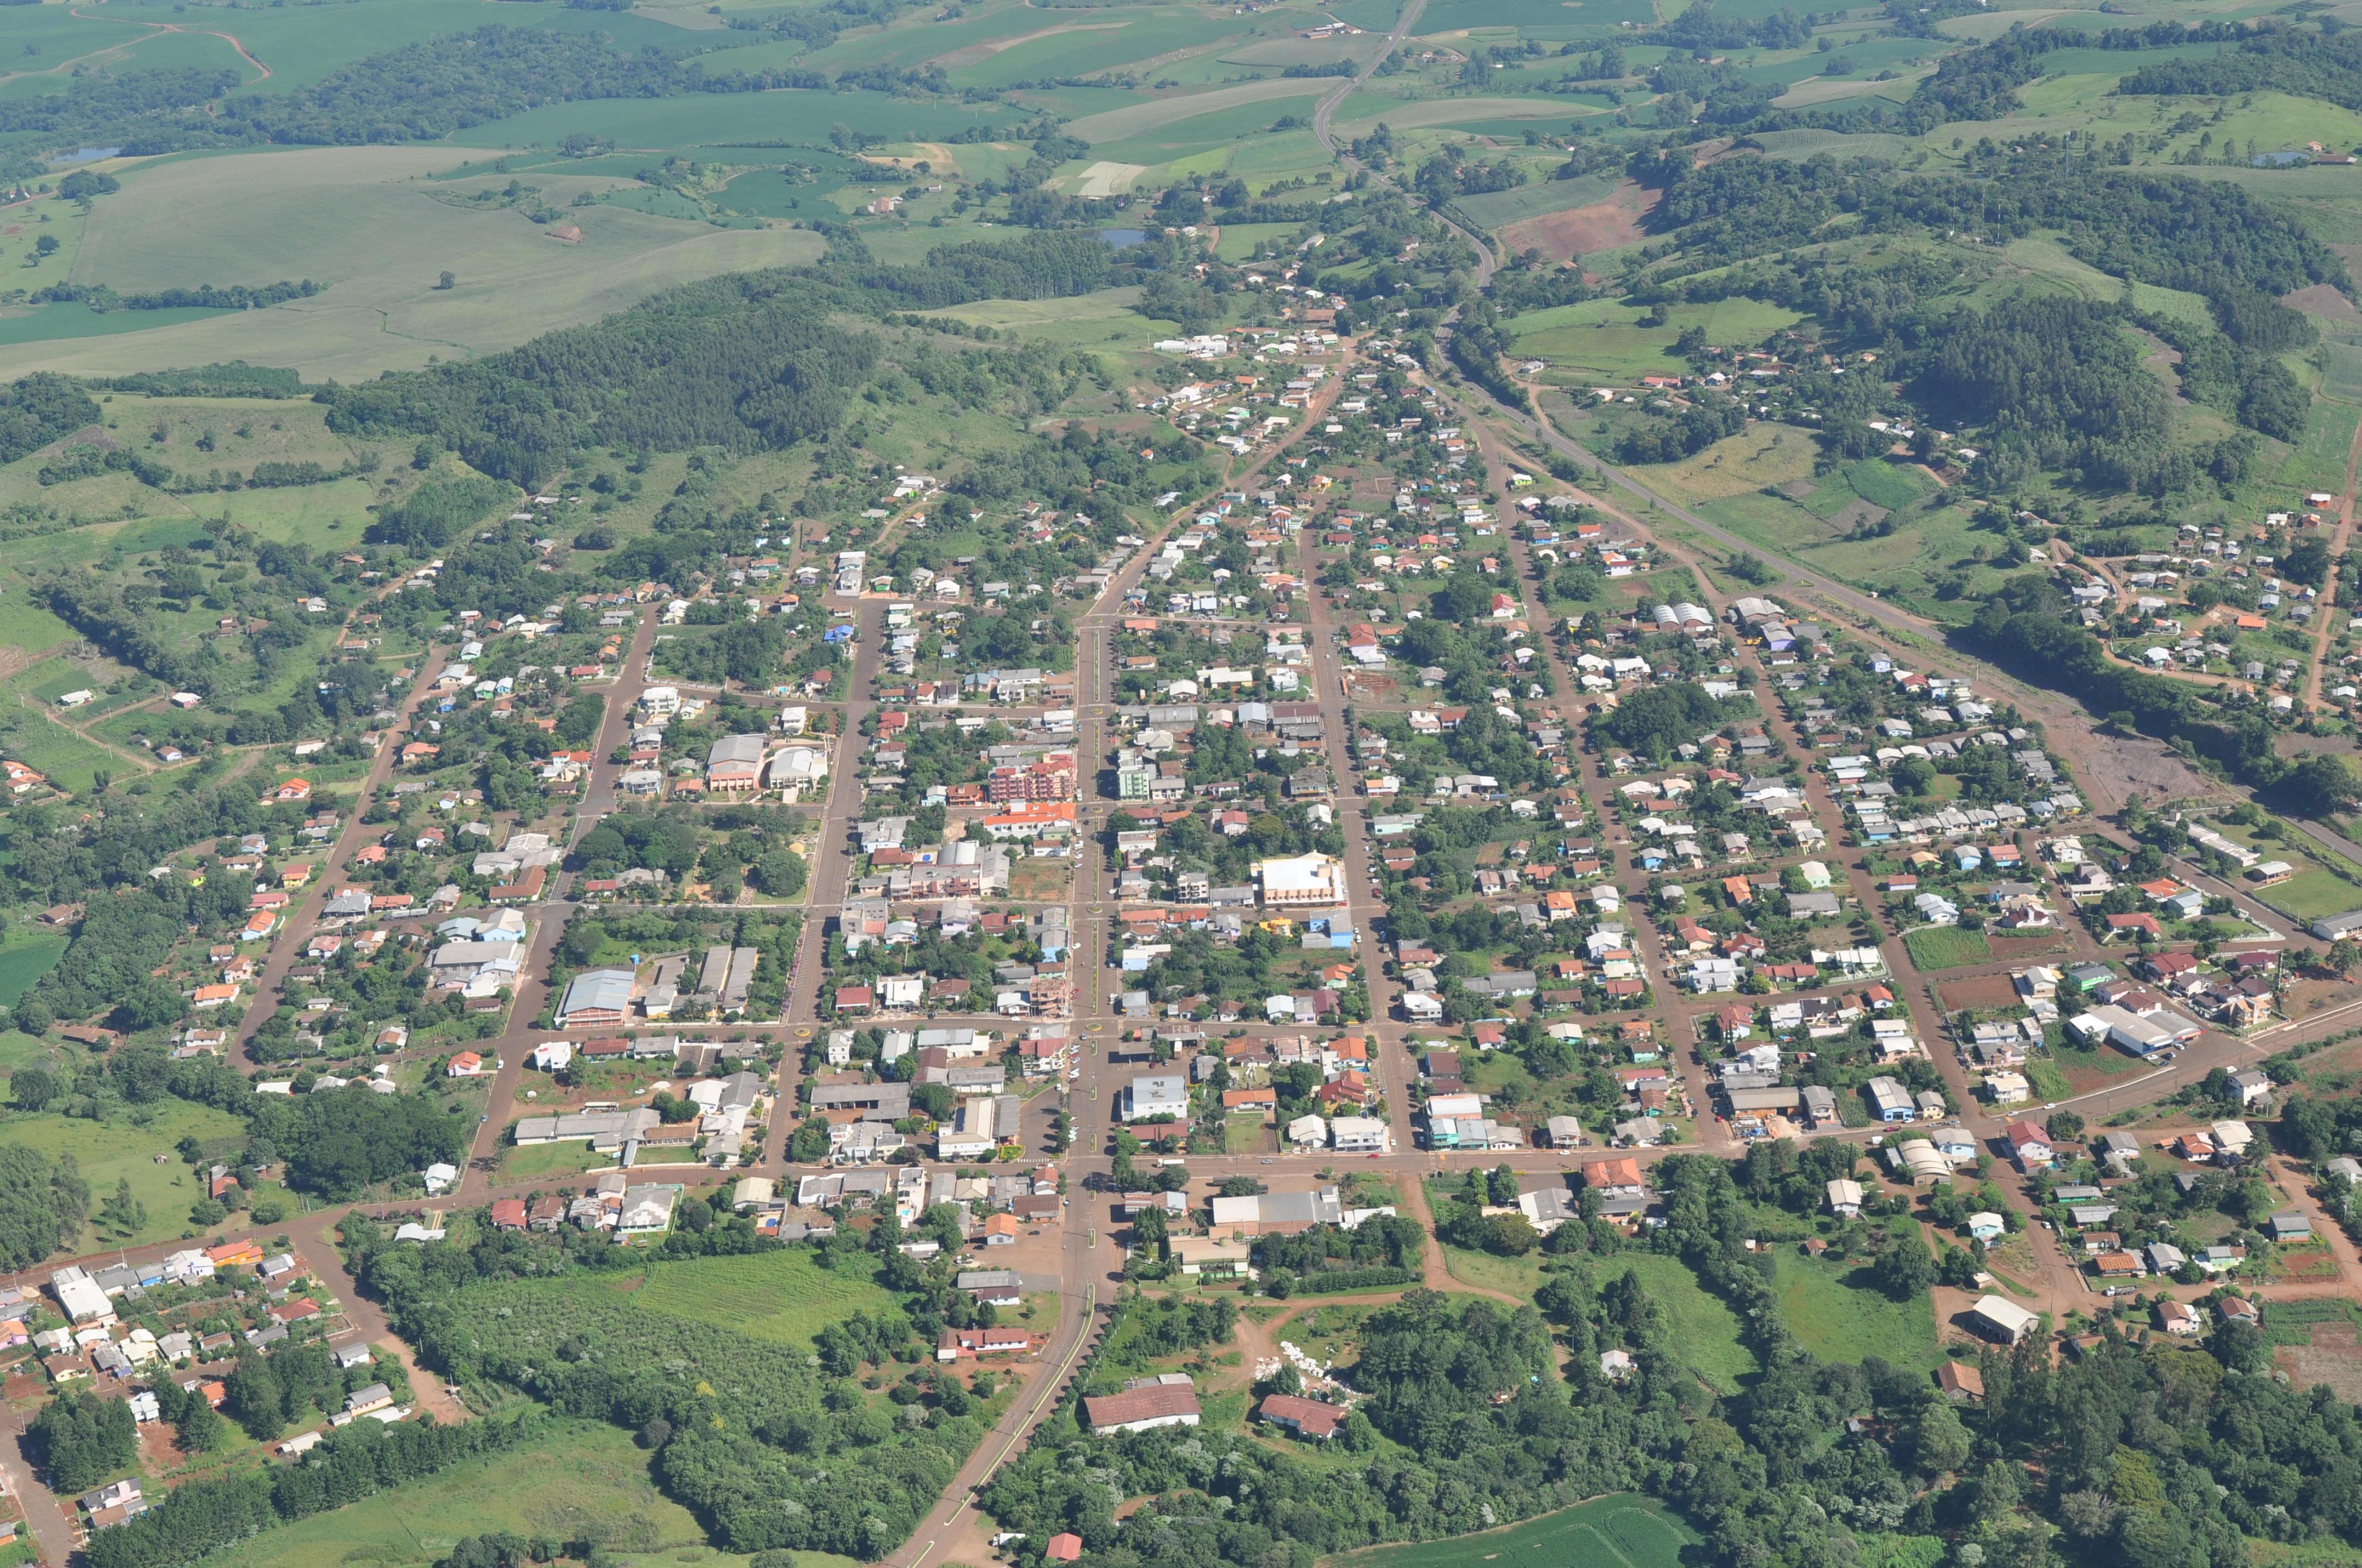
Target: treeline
{"type": "Point", "coordinates": [1982, 83]}
{"type": "Point", "coordinates": [2060, 376]}
{"type": "Point", "coordinates": [204, 296]}
{"type": "Point", "coordinates": [2299, 61]}
{"type": "Point", "coordinates": [98, 611]}
{"type": "Point", "coordinates": [2206, 237]}
{"type": "Point", "coordinates": [355, 1461]}
{"type": "Point", "coordinates": [741, 363]}
{"type": "Point", "coordinates": [79, 462]}
{"type": "Point", "coordinates": [234, 379]}
{"type": "Point", "coordinates": [745, 362]}
{"type": "Point", "coordinates": [441, 506]}
{"type": "Point", "coordinates": [1476, 349]}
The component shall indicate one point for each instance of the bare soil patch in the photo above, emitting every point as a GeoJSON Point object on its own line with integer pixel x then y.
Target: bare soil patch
{"type": "Point", "coordinates": [2322, 299]}
{"type": "Point", "coordinates": [2333, 1357]}
{"type": "Point", "coordinates": [1855, 512]}
{"type": "Point", "coordinates": [1603, 226]}
{"type": "Point", "coordinates": [1985, 991]}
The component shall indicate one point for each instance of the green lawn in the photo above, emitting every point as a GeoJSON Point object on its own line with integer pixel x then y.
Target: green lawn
{"type": "Point", "coordinates": [110, 1152]}
{"type": "Point", "coordinates": [1627, 1531]}
{"type": "Point", "coordinates": [1837, 1313]}
{"type": "Point", "coordinates": [1515, 1276]}
{"type": "Point", "coordinates": [1244, 1135]}
{"type": "Point", "coordinates": [781, 1296]}
{"type": "Point", "coordinates": [584, 1478]}
{"type": "Point", "coordinates": [1945, 948]}
{"type": "Point", "coordinates": [570, 1158]}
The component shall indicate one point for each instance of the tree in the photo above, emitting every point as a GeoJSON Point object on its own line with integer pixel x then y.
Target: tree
{"type": "Point", "coordinates": [254, 1398]}
{"type": "Point", "coordinates": [84, 1440]}
{"type": "Point", "coordinates": [1936, 1441]}
{"type": "Point", "coordinates": [122, 1213]}
{"type": "Point", "coordinates": [810, 1145]}
{"type": "Point", "coordinates": [779, 874]}
{"type": "Point", "coordinates": [47, 244]}
{"type": "Point", "coordinates": [446, 282]}
{"type": "Point", "coordinates": [1905, 1269]}
{"type": "Point", "coordinates": [33, 1088]}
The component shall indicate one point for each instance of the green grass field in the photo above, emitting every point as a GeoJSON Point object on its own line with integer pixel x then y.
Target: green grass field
{"type": "Point", "coordinates": [20, 967]}
{"type": "Point", "coordinates": [1603, 337]}
{"type": "Point", "coordinates": [570, 1158]}
{"type": "Point", "coordinates": [1701, 1330]}
{"type": "Point", "coordinates": [1835, 1313]}
{"type": "Point", "coordinates": [781, 1296]}
{"type": "Point", "coordinates": [2311, 893]}
{"type": "Point", "coordinates": [1946, 947]}
{"type": "Point", "coordinates": [582, 1479]}
{"type": "Point", "coordinates": [109, 1152]}
{"type": "Point", "coordinates": [1627, 1531]}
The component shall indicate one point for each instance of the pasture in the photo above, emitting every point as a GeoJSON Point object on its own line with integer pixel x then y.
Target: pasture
{"type": "Point", "coordinates": [788, 114]}
{"type": "Point", "coordinates": [1627, 1531]}
{"type": "Point", "coordinates": [125, 1149]}
{"type": "Point", "coordinates": [1604, 339]}
{"type": "Point", "coordinates": [361, 221]}
{"type": "Point", "coordinates": [1361, 113]}
{"type": "Point", "coordinates": [781, 1296]}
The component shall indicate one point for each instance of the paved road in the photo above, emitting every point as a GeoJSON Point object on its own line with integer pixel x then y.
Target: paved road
{"type": "Point", "coordinates": [304, 913]}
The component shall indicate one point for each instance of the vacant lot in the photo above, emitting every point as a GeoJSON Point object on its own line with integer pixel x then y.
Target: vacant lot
{"type": "Point", "coordinates": [1837, 1314]}
{"type": "Point", "coordinates": [1946, 947]}
{"type": "Point", "coordinates": [781, 1296]}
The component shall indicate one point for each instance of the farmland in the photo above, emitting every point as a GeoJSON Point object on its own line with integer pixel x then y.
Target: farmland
{"type": "Point", "coordinates": [358, 221]}
{"type": "Point", "coordinates": [1610, 1532]}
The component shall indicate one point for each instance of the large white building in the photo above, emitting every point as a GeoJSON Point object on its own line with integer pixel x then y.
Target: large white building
{"type": "Point", "coordinates": [1301, 879]}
